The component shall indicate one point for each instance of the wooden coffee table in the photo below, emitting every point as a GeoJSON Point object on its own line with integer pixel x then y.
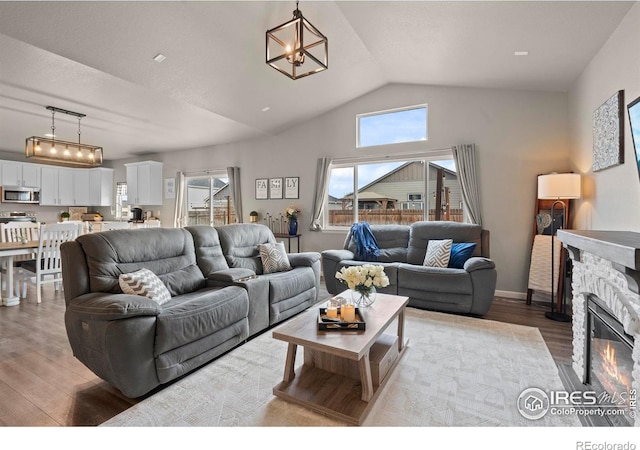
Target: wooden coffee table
{"type": "Point", "coordinates": [343, 371]}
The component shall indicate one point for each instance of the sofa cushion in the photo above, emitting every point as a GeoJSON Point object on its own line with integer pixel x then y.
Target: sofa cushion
{"type": "Point", "coordinates": [145, 283]}
{"type": "Point", "coordinates": [167, 252]}
{"type": "Point", "coordinates": [285, 285]}
{"type": "Point", "coordinates": [438, 253]}
{"type": "Point", "coordinates": [392, 242]}
{"type": "Point", "coordinates": [208, 249]}
{"type": "Point", "coordinates": [240, 241]}
{"type": "Point", "coordinates": [434, 279]}
{"type": "Point", "coordinates": [422, 232]}
{"type": "Point", "coordinates": [274, 257]}
{"type": "Point", "coordinates": [189, 317]}
{"type": "Point", "coordinates": [460, 253]}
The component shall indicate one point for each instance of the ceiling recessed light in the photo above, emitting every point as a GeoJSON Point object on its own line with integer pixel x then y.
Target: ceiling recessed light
{"type": "Point", "coordinates": [49, 135]}
{"type": "Point", "coordinates": [265, 109]}
{"type": "Point", "coordinates": [159, 57]}
{"type": "Point", "coordinates": [521, 53]}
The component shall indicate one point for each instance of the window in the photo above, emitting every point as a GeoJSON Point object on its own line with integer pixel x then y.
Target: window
{"type": "Point", "coordinates": [209, 200]}
{"type": "Point", "coordinates": [120, 209]}
{"type": "Point", "coordinates": [393, 192]}
{"type": "Point", "coordinates": [392, 127]}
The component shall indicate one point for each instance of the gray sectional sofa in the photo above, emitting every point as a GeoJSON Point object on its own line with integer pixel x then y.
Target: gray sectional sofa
{"type": "Point", "coordinates": [402, 253]}
{"type": "Point", "coordinates": [219, 298]}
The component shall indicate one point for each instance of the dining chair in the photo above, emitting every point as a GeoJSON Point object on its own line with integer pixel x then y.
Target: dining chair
{"type": "Point", "coordinates": [47, 261]}
{"type": "Point", "coordinates": [17, 232]}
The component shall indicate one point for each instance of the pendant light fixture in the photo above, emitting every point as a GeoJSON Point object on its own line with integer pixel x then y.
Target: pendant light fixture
{"type": "Point", "coordinates": [297, 48]}
{"type": "Point", "coordinates": [56, 151]}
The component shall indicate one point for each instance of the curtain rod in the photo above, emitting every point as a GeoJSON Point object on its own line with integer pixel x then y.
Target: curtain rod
{"type": "Point", "coordinates": [398, 157]}
{"type": "Point", "coordinates": [204, 172]}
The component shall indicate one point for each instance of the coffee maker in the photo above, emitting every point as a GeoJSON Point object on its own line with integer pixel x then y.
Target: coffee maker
{"type": "Point", "coordinates": [136, 215]}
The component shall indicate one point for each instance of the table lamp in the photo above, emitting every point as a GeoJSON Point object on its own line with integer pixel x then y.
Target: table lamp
{"type": "Point", "coordinates": [557, 186]}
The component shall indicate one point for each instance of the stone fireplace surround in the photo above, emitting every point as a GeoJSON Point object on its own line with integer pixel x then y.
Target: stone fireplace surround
{"type": "Point", "coordinates": [605, 264]}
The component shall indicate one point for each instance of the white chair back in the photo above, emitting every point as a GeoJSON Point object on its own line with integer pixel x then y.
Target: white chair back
{"type": "Point", "coordinates": [51, 238]}
{"type": "Point", "coordinates": [15, 231]}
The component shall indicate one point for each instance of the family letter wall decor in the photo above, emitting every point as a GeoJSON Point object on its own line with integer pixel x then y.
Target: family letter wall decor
{"type": "Point", "coordinates": [608, 133]}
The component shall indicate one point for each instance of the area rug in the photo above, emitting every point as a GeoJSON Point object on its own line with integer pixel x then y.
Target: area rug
{"type": "Point", "coordinates": [456, 371]}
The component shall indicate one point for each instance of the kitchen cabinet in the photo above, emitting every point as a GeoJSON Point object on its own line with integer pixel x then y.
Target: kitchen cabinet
{"type": "Point", "coordinates": [57, 186]}
{"type": "Point", "coordinates": [144, 183]}
{"type": "Point", "coordinates": [81, 187]}
{"type": "Point", "coordinates": [20, 174]}
{"type": "Point", "coordinates": [101, 187]}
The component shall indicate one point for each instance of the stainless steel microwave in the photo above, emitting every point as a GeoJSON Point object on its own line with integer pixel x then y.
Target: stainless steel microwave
{"type": "Point", "coordinates": [20, 194]}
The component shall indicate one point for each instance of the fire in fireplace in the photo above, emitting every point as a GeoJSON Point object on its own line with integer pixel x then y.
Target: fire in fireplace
{"type": "Point", "coordinates": [610, 362]}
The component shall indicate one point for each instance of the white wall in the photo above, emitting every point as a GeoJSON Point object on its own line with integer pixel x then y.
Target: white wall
{"type": "Point", "coordinates": [518, 136]}
{"type": "Point", "coordinates": [611, 197]}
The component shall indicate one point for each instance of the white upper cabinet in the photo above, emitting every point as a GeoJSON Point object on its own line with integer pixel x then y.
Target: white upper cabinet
{"type": "Point", "coordinates": [144, 183]}
{"type": "Point", "coordinates": [101, 187]}
{"type": "Point", "coordinates": [20, 174]}
{"type": "Point", "coordinates": [81, 187]}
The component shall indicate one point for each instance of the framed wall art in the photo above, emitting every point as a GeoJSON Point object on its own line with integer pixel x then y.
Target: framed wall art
{"type": "Point", "coordinates": [634, 121]}
{"type": "Point", "coordinates": [608, 133]}
{"type": "Point", "coordinates": [275, 188]}
{"type": "Point", "coordinates": [262, 189]}
{"type": "Point", "coordinates": [291, 187]}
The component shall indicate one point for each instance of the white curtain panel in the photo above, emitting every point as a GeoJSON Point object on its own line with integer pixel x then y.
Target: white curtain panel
{"type": "Point", "coordinates": [320, 194]}
{"type": "Point", "coordinates": [179, 219]}
{"type": "Point", "coordinates": [465, 159]}
{"type": "Point", "coordinates": [236, 194]}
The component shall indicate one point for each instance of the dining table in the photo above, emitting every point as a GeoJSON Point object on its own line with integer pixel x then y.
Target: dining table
{"type": "Point", "coordinates": [8, 250]}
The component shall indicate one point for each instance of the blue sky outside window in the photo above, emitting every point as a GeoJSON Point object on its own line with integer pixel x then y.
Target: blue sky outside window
{"type": "Point", "coordinates": [409, 125]}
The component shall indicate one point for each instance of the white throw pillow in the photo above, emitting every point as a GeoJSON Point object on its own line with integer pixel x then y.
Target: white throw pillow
{"type": "Point", "coordinates": [438, 253]}
{"type": "Point", "coordinates": [146, 283]}
{"type": "Point", "coordinates": [274, 258]}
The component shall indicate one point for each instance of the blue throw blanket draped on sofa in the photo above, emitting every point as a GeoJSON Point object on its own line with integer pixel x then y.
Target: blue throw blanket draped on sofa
{"type": "Point", "coordinates": [366, 245]}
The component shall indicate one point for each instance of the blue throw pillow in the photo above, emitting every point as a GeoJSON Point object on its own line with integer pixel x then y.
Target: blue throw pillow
{"type": "Point", "coordinates": [460, 252]}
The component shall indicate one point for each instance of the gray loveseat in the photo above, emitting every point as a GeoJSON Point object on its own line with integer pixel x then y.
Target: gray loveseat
{"type": "Point", "coordinates": [402, 253]}
{"type": "Point", "coordinates": [136, 344]}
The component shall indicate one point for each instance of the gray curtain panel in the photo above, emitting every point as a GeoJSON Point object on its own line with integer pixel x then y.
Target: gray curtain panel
{"type": "Point", "coordinates": [465, 159]}
{"type": "Point", "coordinates": [320, 194]}
{"type": "Point", "coordinates": [179, 219]}
{"type": "Point", "coordinates": [236, 193]}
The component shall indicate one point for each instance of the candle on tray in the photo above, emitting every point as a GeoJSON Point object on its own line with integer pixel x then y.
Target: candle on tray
{"type": "Point", "coordinates": [349, 313]}
{"type": "Point", "coordinates": [332, 311]}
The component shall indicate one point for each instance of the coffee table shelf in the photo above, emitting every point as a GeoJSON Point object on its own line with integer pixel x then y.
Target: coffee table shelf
{"type": "Point", "coordinates": [336, 377]}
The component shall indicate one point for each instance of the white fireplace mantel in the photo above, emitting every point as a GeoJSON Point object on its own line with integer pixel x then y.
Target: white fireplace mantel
{"type": "Point", "coordinates": [605, 264]}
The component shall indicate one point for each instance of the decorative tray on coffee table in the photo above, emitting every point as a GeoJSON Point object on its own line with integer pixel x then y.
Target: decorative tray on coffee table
{"type": "Point", "coordinates": [328, 324]}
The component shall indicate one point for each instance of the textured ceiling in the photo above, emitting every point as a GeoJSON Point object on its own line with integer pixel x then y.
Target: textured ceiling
{"type": "Point", "coordinates": [96, 58]}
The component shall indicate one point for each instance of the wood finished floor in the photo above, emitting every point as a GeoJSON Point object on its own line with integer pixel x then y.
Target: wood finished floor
{"type": "Point", "coordinates": [42, 384]}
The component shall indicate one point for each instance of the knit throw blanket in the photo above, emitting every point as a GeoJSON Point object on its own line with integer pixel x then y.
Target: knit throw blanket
{"type": "Point", "coordinates": [366, 245]}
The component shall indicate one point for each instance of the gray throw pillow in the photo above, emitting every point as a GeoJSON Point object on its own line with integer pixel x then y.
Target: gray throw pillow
{"type": "Point", "coordinates": [438, 253]}
{"type": "Point", "coordinates": [274, 258]}
{"type": "Point", "coordinates": [145, 283]}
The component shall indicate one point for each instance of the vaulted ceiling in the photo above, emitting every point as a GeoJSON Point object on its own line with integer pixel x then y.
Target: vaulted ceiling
{"type": "Point", "coordinates": [97, 58]}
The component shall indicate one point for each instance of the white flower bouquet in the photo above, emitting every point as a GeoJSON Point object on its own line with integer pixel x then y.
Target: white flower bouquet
{"type": "Point", "coordinates": [363, 279]}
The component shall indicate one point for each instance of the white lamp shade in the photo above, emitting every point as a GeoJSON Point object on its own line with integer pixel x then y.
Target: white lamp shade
{"type": "Point", "coordinates": [559, 185]}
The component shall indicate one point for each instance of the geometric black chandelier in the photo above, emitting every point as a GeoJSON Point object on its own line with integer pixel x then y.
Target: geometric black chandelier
{"type": "Point", "coordinates": [297, 48]}
{"type": "Point", "coordinates": [52, 150]}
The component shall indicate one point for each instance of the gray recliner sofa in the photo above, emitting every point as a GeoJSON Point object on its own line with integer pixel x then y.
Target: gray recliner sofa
{"type": "Point", "coordinates": [402, 252]}
{"type": "Point", "coordinates": [136, 344]}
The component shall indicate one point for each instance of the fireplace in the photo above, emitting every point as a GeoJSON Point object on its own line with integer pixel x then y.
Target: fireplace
{"type": "Point", "coordinates": [609, 362]}
{"type": "Point", "coordinates": [606, 321]}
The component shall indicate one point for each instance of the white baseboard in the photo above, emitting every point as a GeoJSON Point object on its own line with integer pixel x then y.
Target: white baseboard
{"type": "Point", "coordinates": [512, 294]}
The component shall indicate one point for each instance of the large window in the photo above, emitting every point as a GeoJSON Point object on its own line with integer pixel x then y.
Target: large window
{"type": "Point", "coordinates": [209, 200]}
{"type": "Point", "coordinates": [396, 192]}
{"type": "Point", "coordinates": [392, 127]}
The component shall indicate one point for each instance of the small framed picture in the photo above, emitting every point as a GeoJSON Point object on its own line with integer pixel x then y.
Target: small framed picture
{"type": "Point", "coordinates": [262, 189]}
{"type": "Point", "coordinates": [291, 185]}
{"type": "Point", "coordinates": [275, 188]}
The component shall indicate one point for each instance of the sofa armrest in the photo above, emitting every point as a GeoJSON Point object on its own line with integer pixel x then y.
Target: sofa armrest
{"type": "Point", "coordinates": [306, 259]}
{"type": "Point", "coordinates": [228, 276]}
{"type": "Point", "coordinates": [103, 306]}
{"type": "Point", "coordinates": [478, 263]}
{"type": "Point", "coordinates": [338, 255]}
